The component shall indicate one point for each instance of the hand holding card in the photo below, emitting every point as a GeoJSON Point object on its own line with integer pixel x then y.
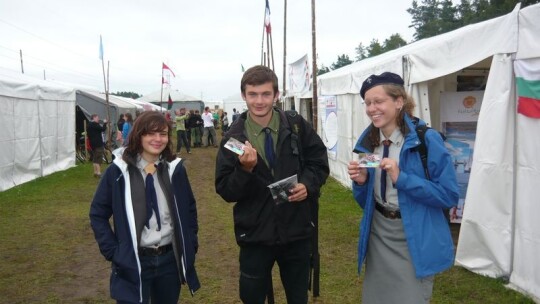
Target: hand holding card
{"type": "Point", "coordinates": [369, 160]}
{"type": "Point", "coordinates": [235, 145]}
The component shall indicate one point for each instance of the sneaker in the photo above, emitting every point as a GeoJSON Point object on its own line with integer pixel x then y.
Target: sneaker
{"type": "Point", "coordinates": [189, 152]}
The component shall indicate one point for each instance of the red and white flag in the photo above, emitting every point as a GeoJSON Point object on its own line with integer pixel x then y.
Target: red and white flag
{"type": "Point", "coordinates": [165, 67]}
{"type": "Point", "coordinates": [528, 86]}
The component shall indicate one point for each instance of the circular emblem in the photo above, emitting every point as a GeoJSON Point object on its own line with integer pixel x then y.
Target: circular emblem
{"type": "Point", "coordinates": [469, 101]}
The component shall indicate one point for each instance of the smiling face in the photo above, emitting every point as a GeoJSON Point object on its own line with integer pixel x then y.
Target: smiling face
{"type": "Point", "coordinates": [260, 100]}
{"type": "Point", "coordinates": [382, 109]}
{"type": "Point", "coordinates": [153, 144]}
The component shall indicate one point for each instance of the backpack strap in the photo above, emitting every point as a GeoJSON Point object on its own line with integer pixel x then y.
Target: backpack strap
{"type": "Point", "coordinates": [294, 120]}
{"type": "Point", "coordinates": [422, 148]}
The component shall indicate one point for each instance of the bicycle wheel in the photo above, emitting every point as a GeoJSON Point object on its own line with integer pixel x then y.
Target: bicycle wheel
{"type": "Point", "coordinates": [81, 154]}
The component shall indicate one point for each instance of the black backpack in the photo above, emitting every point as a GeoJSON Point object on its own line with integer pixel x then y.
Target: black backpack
{"type": "Point", "coordinates": [422, 148]}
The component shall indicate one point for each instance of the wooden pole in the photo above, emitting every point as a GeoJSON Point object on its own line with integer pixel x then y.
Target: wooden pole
{"type": "Point", "coordinates": [22, 65]}
{"type": "Point", "coordinates": [284, 48]}
{"type": "Point", "coordinates": [314, 100]}
{"type": "Point", "coordinates": [109, 134]}
{"type": "Point", "coordinates": [272, 51]}
{"type": "Point", "coordinates": [161, 94]}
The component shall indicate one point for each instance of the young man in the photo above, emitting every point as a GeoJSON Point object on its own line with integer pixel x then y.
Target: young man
{"type": "Point", "coordinates": [209, 130]}
{"type": "Point", "coordinates": [95, 135]}
{"type": "Point", "coordinates": [265, 231]}
{"type": "Point", "coordinates": [181, 135]}
{"type": "Point", "coordinates": [154, 240]}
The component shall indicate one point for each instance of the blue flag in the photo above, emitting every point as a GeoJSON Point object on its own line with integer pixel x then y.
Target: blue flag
{"type": "Point", "coordinates": [100, 48]}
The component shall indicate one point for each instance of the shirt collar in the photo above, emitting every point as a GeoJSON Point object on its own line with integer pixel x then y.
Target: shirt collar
{"type": "Point", "coordinates": [255, 129]}
{"type": "Point", "coordinates": [396, 137]}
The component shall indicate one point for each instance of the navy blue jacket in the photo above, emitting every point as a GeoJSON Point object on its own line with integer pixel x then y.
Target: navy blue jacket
{"type": "Point", "coordinates": [119, 245]}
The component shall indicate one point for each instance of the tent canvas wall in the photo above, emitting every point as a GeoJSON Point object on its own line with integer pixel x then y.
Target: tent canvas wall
{"type": "Point", "coordinates": [37, 119]}
{"type": "Point", "coordinates": [499, 233]}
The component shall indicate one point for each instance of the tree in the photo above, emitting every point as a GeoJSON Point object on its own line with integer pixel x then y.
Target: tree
{"type": "Point", "coordinates": [394, 42]}
{"type": "Point", "coordinates": [127, 94]}
{"type": "Point", "coordinates": [342, 61]}
{"type": "Point", "coordinates": [374, 48]}
{"type": "Point", "coordinates": [323, 70]}
{"type": "Point", "coordinates": [434, 17]}
{"type": "Point", "coordinates": [360, 52]}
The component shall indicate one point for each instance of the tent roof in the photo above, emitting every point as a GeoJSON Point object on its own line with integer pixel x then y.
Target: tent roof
{"type": "Point", "coordinates": [18, 85]}
{"type": "Point", "coordinates": [175, 96]}
{"type": "Point", "coordinates": [432, 57]}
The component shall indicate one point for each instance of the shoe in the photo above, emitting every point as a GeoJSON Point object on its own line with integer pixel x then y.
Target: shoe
{"type": "Point", "coordinates": [189, 152]}
{"type": "Point", "coordinates": [97, 175]}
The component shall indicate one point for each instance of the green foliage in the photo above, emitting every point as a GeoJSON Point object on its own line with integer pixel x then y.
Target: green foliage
{"type": "Point", "coordinates": [361, 52]}
{"type": "Point", "coordinates": [434, 17]}
{"type": "Point", "coordinates": [127, 94]}
{"type": "Point", "coordinates": [342, 61]}
{"type": "Point", "coordinates": [323, 70]}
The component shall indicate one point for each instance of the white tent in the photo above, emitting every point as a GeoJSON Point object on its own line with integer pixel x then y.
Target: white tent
{"type": "Point", "coordinates": [499, 232]}
{"type": "Point", "coordinates": [37, 119]}
{"type": "Point", "coordinates": [234, 101]}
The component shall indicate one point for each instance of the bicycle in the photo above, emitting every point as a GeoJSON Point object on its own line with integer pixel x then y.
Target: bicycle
{"type": "Point", "coordinates": [81, 153]}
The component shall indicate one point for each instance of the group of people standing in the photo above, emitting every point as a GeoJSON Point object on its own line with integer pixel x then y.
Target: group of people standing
{"type": "Point", "coordinates": [404, 237]}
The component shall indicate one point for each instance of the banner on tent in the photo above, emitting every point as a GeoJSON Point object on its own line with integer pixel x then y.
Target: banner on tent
{"type": "Point", "coordinates": [459, 116]}
{"type": "Point", "coordinates": [299, 75]}
{"type": "Point", "coordinates": [329, 124]}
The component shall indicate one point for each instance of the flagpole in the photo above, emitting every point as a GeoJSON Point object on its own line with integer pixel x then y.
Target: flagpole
{"type": "Point", "coordinates": [314, 100]}
{"type": "Point", "coordinates": [284, 91]}
{"type": "Point", "coordinates": [263, 60]}
{"type": "Point", "coordinates": [106, 90]}
{"type": "Point", "coordinates": [161, 94]}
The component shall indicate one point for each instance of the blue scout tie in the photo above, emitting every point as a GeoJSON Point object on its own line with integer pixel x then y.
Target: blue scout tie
{"type": "Point", "coordinates": [269, 147]}
{"type": "Point", "coordinates": [151, 196]}
{"type": "Point", "coordinates": [386, 144]}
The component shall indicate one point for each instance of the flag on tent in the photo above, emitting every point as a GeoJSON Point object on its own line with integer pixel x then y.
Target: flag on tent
{"type": "Point", "coordinates": [169, 102]}
{"type": "Point", "coordinates": [100, 48]}
{"type": "Point", "coordinates": [164, 81]}
{"type": "Point", "coordinates": [528, 86]}
{"type": "Point", "coordinates": [165, 67]}
{"type": "Point", "coordinates": [267, 18]}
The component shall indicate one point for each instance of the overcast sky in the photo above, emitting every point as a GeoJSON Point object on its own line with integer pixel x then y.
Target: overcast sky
{"type": "Point", "coordinates": [204, 42]}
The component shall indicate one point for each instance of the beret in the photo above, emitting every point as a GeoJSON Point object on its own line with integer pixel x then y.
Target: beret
{"type": "Point", "coordinates": [384, 78]}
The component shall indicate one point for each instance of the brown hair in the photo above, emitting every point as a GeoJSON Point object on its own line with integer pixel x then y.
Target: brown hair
{"type": "Point", "coordinates": [395, 91]}
{"type": "Point", "coordinates": [147, 122]}
{"type": "Point", "coordinates": [258, 75]}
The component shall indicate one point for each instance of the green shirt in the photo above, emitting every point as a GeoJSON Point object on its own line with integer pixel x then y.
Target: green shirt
{"type": "Point", "coordinates": [181, 122]}
{"type": "Point", "coordinates": [256, 135]}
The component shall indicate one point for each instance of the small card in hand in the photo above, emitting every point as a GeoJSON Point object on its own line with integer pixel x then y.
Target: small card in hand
{"type": "Point", "coordinates": [369, 160]}
{"type": "Point", "coordinates": [235, 145]}
{"type": "Point", "coordinates": [282, 189]}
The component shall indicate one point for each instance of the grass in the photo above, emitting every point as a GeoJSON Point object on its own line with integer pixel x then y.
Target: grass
{"type": "Point", "coordinates": [48, 252]}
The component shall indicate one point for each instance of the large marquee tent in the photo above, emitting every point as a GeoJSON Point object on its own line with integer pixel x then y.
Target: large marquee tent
{"type": "Point", "coordinates": [500, 235]}
{"type": "Point", "coordinates": [37, 119]}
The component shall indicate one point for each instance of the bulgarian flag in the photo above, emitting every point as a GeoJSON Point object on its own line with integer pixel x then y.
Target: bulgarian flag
{"type": "Point", "coordinates": [528, 86]}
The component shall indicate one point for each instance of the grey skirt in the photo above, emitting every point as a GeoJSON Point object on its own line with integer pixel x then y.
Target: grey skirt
{"type": "Point", "coordinates": [390, 276]}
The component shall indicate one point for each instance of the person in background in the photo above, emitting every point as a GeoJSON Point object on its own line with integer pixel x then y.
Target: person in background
{"type": "Point", "coordinates": [209, 130]}
{"type": "Point", "coordinates": [224, 122]}
{"type": "Point", "coordinates": [268, 232]}
{"type": "Point", "coordinates": [404, 235]}
{"type": "Point", "coordinates": [195, 123]}
{"type": "Point", "coordinates": [153, 240]}
{"type": "Point", "coordinates": [95, 134]}
{"type": "Point", "coordinates": [126, 128]}
{"type": "Point", "coordinates": [235, 114]}
{"type": "Point", "coordinates": [181, 136]}
{"type": "Point", "coordinates": [120, 127]}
